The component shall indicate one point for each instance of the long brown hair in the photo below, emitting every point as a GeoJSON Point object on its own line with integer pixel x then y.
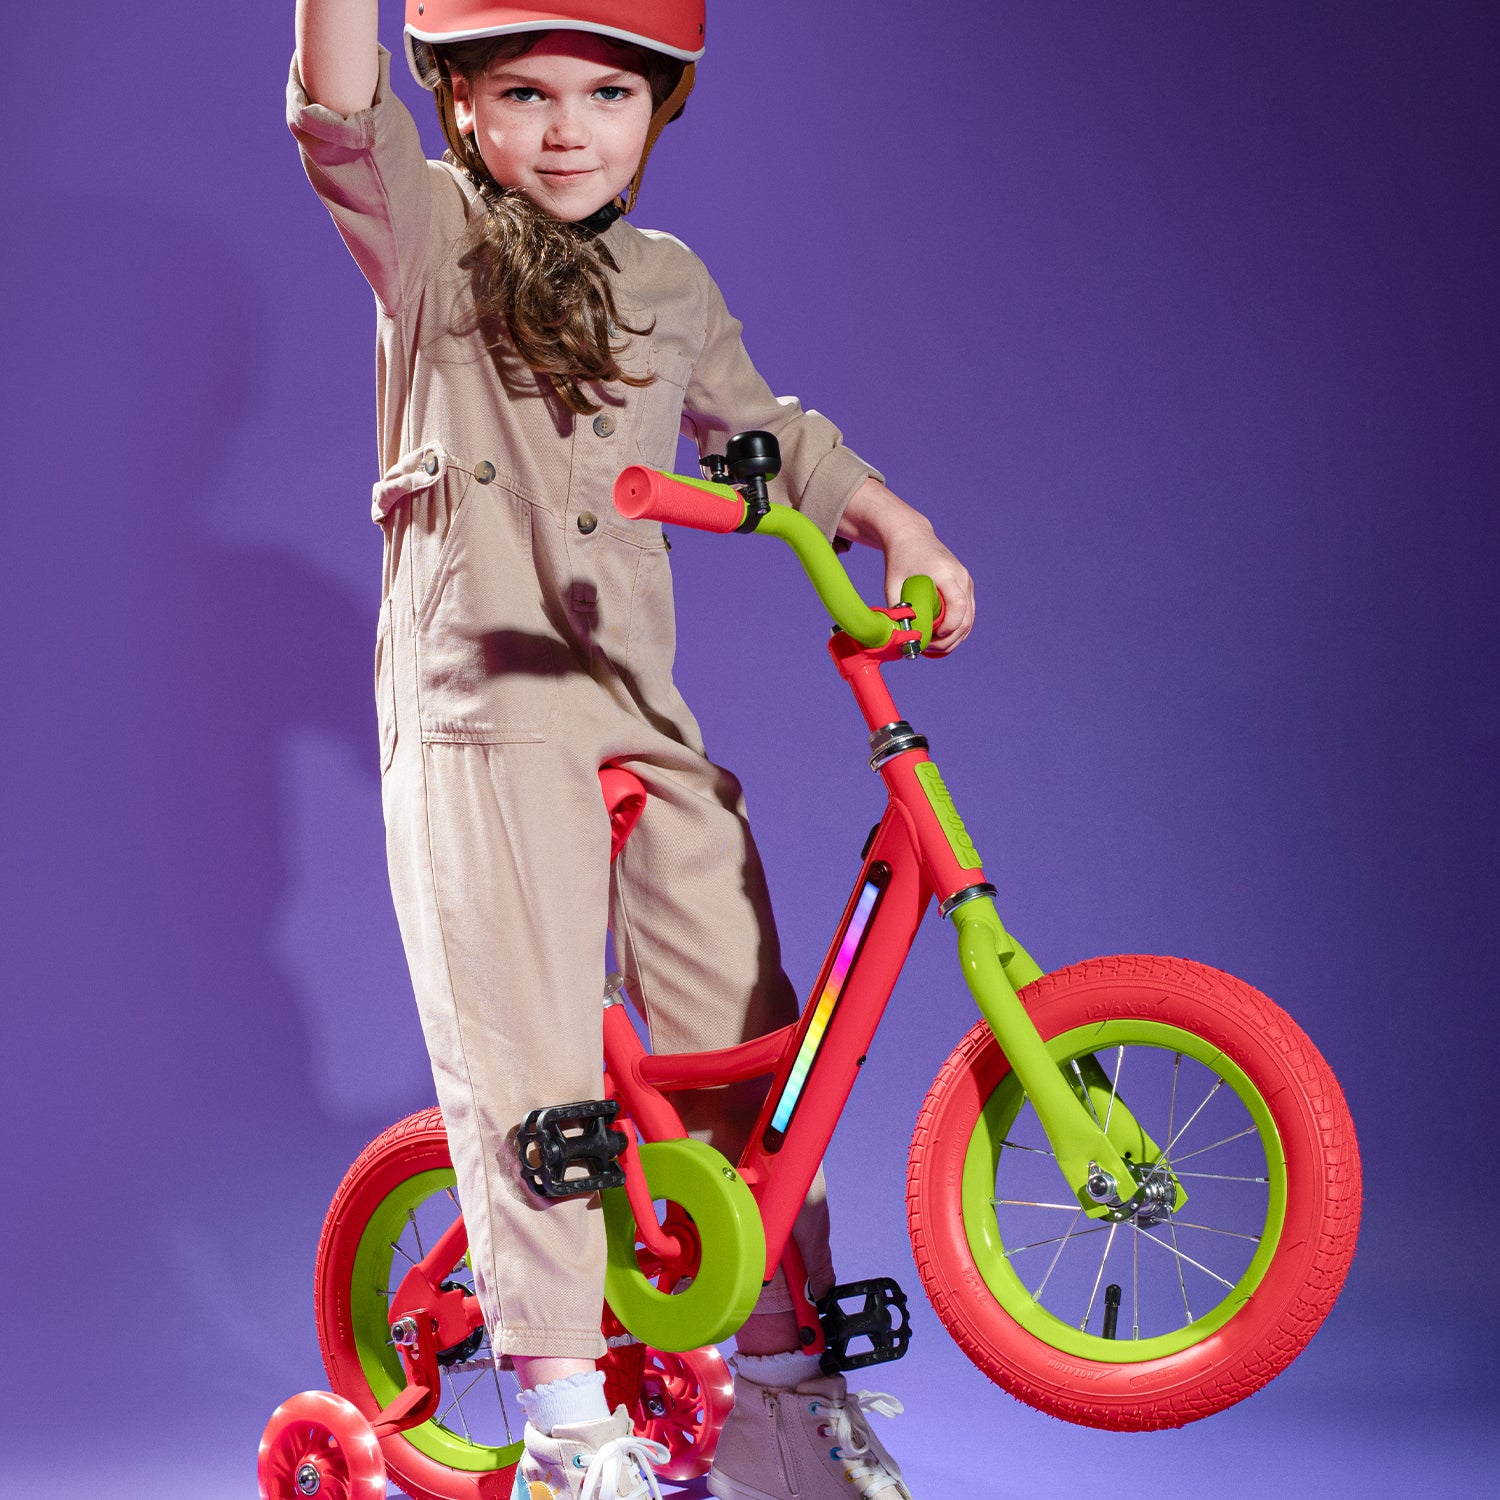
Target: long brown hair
{"type": "Point", "coordinates": [541, 286]}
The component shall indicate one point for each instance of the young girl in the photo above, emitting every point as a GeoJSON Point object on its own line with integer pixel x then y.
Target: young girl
{"type": "Point", "coordinates": [532, 343]}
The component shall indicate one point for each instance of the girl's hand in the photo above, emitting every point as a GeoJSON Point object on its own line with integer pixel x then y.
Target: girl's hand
{"type": "Point", "coordinates": [878, 518]}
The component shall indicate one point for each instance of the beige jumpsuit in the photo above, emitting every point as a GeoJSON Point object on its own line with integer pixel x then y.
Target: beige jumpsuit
{"type": "Point", "coordinates": [526, 636]}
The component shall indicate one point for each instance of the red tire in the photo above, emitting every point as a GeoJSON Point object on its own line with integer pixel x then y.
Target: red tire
{"type": "Point", "coordinates": [403, 1178]}
{"type": "Point", "coordinates": [1239, 1111]}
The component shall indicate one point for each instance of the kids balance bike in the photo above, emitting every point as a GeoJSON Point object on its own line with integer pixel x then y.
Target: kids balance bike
{"type": "Point", "coordinates": [1133, 1190]}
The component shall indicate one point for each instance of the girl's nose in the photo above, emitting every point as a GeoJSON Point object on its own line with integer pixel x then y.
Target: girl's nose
{"type": "Point", "coordinates": [566, 128]}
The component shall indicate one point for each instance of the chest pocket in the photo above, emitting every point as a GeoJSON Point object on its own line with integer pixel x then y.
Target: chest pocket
{"type": "Point", "coordinates": [660, 410]}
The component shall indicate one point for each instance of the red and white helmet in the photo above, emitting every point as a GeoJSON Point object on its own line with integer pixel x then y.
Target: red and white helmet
{"type": "Point", "coordinates": [673, 28]}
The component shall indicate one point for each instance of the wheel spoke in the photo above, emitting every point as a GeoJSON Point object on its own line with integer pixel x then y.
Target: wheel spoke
{"type": "Point", "coordinates": [1239, 1135]}
{"type": "Point", "coordinates": [1233, 1234]}
{"type": "Point", "coordinates": [1135, 1281]}
{"type": "Point", "coordinates": [1166, 1150]}
{"type": "Point", "coordinates": [1114, 1084]}
{"type": "Point", "coordinates": [1062, 1244]}
{"type": "Point", "coordinates": [1175, 1249]}
{"type": "Point", "coordinates": [1221, 1177]}
{"type": "Point", "coordinates": [1181, 1279]}
{"type": "Point", "coordinates": [456, 1404]}
{"type": "Point", "coordinates": [1051, 1240]}
{"type": "Point", "coordinates": [1088, 1098]}
{"type": "Point", "coordinates": [1099, 1277]}
{"type": "Point", "coordinates": [1039, 1150]}
{"type": "Point", "coordinates": [1071, 1208]}
{"type": "Point", "coordinates": [500, 1396]}
{"type": "Point", "coordinates": [416, 1232]}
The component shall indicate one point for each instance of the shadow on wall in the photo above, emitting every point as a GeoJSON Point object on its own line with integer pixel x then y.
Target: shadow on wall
{"type": "Point", "coordinates": [193, 747]}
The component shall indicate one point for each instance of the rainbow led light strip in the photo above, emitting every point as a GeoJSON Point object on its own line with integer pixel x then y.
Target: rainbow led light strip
{"type": "Point", "coordinates": [823, 1011]}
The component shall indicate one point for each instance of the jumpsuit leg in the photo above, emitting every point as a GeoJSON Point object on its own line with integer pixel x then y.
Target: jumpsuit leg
{"type": "Point", "coordinates": [693, 929]}
{"type": "Point", "coordinates": [503, 917]}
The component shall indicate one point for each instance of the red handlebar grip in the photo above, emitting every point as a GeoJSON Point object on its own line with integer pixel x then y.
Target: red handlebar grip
{"type": "Point", "coordinates": [642, 493]}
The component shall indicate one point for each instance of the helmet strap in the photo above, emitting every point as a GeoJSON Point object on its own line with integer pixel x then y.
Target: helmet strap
{"type": "Point", "coordinates": [665, 113]}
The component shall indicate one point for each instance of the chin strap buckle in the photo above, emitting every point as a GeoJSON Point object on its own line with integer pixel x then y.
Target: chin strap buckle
{"type": "Point", "coordinates": [569, 1150]}
{"type": "Point", "coordinates": [880, 1317]}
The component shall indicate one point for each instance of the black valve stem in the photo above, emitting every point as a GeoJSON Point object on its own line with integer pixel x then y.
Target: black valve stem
{"type": "Point", "coordinates": [1111, 1308]}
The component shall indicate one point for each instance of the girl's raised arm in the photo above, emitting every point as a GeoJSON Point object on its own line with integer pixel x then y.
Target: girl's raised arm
{"type": "Point", "coordinates": [336, 52]}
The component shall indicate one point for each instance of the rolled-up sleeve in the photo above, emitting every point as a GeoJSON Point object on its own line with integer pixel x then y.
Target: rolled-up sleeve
{"type": "Point", "coordinates": [726, 394]}
{"type": "Point", "coordinates": [370, 172]}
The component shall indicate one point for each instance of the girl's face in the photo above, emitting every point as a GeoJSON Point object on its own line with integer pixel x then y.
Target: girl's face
{"type": "Point", "coordinates": [565, 123]}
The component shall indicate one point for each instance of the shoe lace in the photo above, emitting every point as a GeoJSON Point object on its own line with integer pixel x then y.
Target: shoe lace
{"type": "Point", "coordinates": [853, 1440]}
{"type": "Point", "coordinates": [621, 1470]}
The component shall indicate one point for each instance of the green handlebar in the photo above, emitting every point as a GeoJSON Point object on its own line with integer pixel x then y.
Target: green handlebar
{"type": "Point", "coordinates": [827, 574]}
{"type": "Point", "coordinates": [920, 594]}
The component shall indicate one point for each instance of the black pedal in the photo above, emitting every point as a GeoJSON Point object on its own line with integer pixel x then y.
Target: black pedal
{"type": "Point", "coordinates": [881, 1318]}
{"type": "Point", "coordinates": [569, 1150]}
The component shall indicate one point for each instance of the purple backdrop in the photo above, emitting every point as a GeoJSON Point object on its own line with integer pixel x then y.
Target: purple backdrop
{"type": "Point", "coordinates": [1180, 321]}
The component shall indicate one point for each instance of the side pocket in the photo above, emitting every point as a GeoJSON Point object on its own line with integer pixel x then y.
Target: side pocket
{"type": "Point", "coordinates": [385, 689]}
{"type": "Point", "coordinates": [446, 513]}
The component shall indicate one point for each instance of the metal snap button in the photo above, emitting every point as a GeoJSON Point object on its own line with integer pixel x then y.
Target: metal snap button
{"type": "Point", "coordinates": [484, 471]}
{"type": "Point", "coordinates": [587, 520]}
{"type": "Point", "coordinates": [430, 463]}
{"type": "Point", "coordinates": [604, 424]}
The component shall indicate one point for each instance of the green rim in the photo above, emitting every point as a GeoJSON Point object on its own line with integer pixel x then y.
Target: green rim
{"type": "Point", "coordinates": [993, 1139]}
{"type": "Point", "coordinates": [369, 1303]}
{"type": "Point", "coordinates": [728, 1279]}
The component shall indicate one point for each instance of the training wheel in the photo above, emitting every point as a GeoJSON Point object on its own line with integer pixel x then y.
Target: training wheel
{"type": "Point", "coordinates": [683, 1402]}
{"type": "Point", "coordinates": [318, 1444]}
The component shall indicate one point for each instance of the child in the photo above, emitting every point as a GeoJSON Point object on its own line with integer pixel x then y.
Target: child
{"type": "Point", "coordinates": [532, 343]}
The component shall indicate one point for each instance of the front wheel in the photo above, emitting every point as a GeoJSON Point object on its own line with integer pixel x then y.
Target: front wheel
{"type": "Point", "coordinates": [1154, 1320]}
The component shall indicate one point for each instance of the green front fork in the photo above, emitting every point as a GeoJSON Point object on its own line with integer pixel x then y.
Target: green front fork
{"type": "Point", "coordinates": [1089, 1128]}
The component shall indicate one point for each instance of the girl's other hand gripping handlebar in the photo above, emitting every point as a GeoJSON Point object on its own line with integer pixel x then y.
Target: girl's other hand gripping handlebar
{"type": "Point", "coordinates": [877, 517]}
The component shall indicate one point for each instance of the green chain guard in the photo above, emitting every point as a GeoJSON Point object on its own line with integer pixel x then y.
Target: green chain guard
{"type": "Point", "coordinates": [729, 1276]}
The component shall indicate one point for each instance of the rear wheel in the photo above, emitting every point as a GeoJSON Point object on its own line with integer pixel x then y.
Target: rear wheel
{"type": "Point", "coordinates": [393, 1204]}
{"type": "Point", "coordinates": [1247, 1146]}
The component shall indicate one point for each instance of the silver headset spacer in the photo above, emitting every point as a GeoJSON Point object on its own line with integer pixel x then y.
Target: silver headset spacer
{"type": "Point", "coordinates": [963, 897]}
{"type": "Point", "coordinates": [892, 740]}
{"type": "Point", "coordinates": [614, 990]}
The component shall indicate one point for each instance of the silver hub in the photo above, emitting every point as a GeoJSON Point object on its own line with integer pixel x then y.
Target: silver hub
{"type": "Point", "coordinates": [1158, 1194]}
{"type": "Point", "coordinates": [309, 1481]}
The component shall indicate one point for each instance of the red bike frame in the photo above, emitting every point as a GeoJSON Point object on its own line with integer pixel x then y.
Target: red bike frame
{"type": "Point", "coordinates": [919, 850]}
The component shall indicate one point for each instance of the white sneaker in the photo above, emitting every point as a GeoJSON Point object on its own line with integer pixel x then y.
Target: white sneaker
{"type": "Point", "coordinates": [601, 1460]}
{"type": "Point", "coordinates": [810, 1443]}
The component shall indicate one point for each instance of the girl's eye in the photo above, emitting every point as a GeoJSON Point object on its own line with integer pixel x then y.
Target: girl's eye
{"type": "Point", "coordinates": [612, 93]}
{"type": "Point", "coordinates": [530, 94]}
